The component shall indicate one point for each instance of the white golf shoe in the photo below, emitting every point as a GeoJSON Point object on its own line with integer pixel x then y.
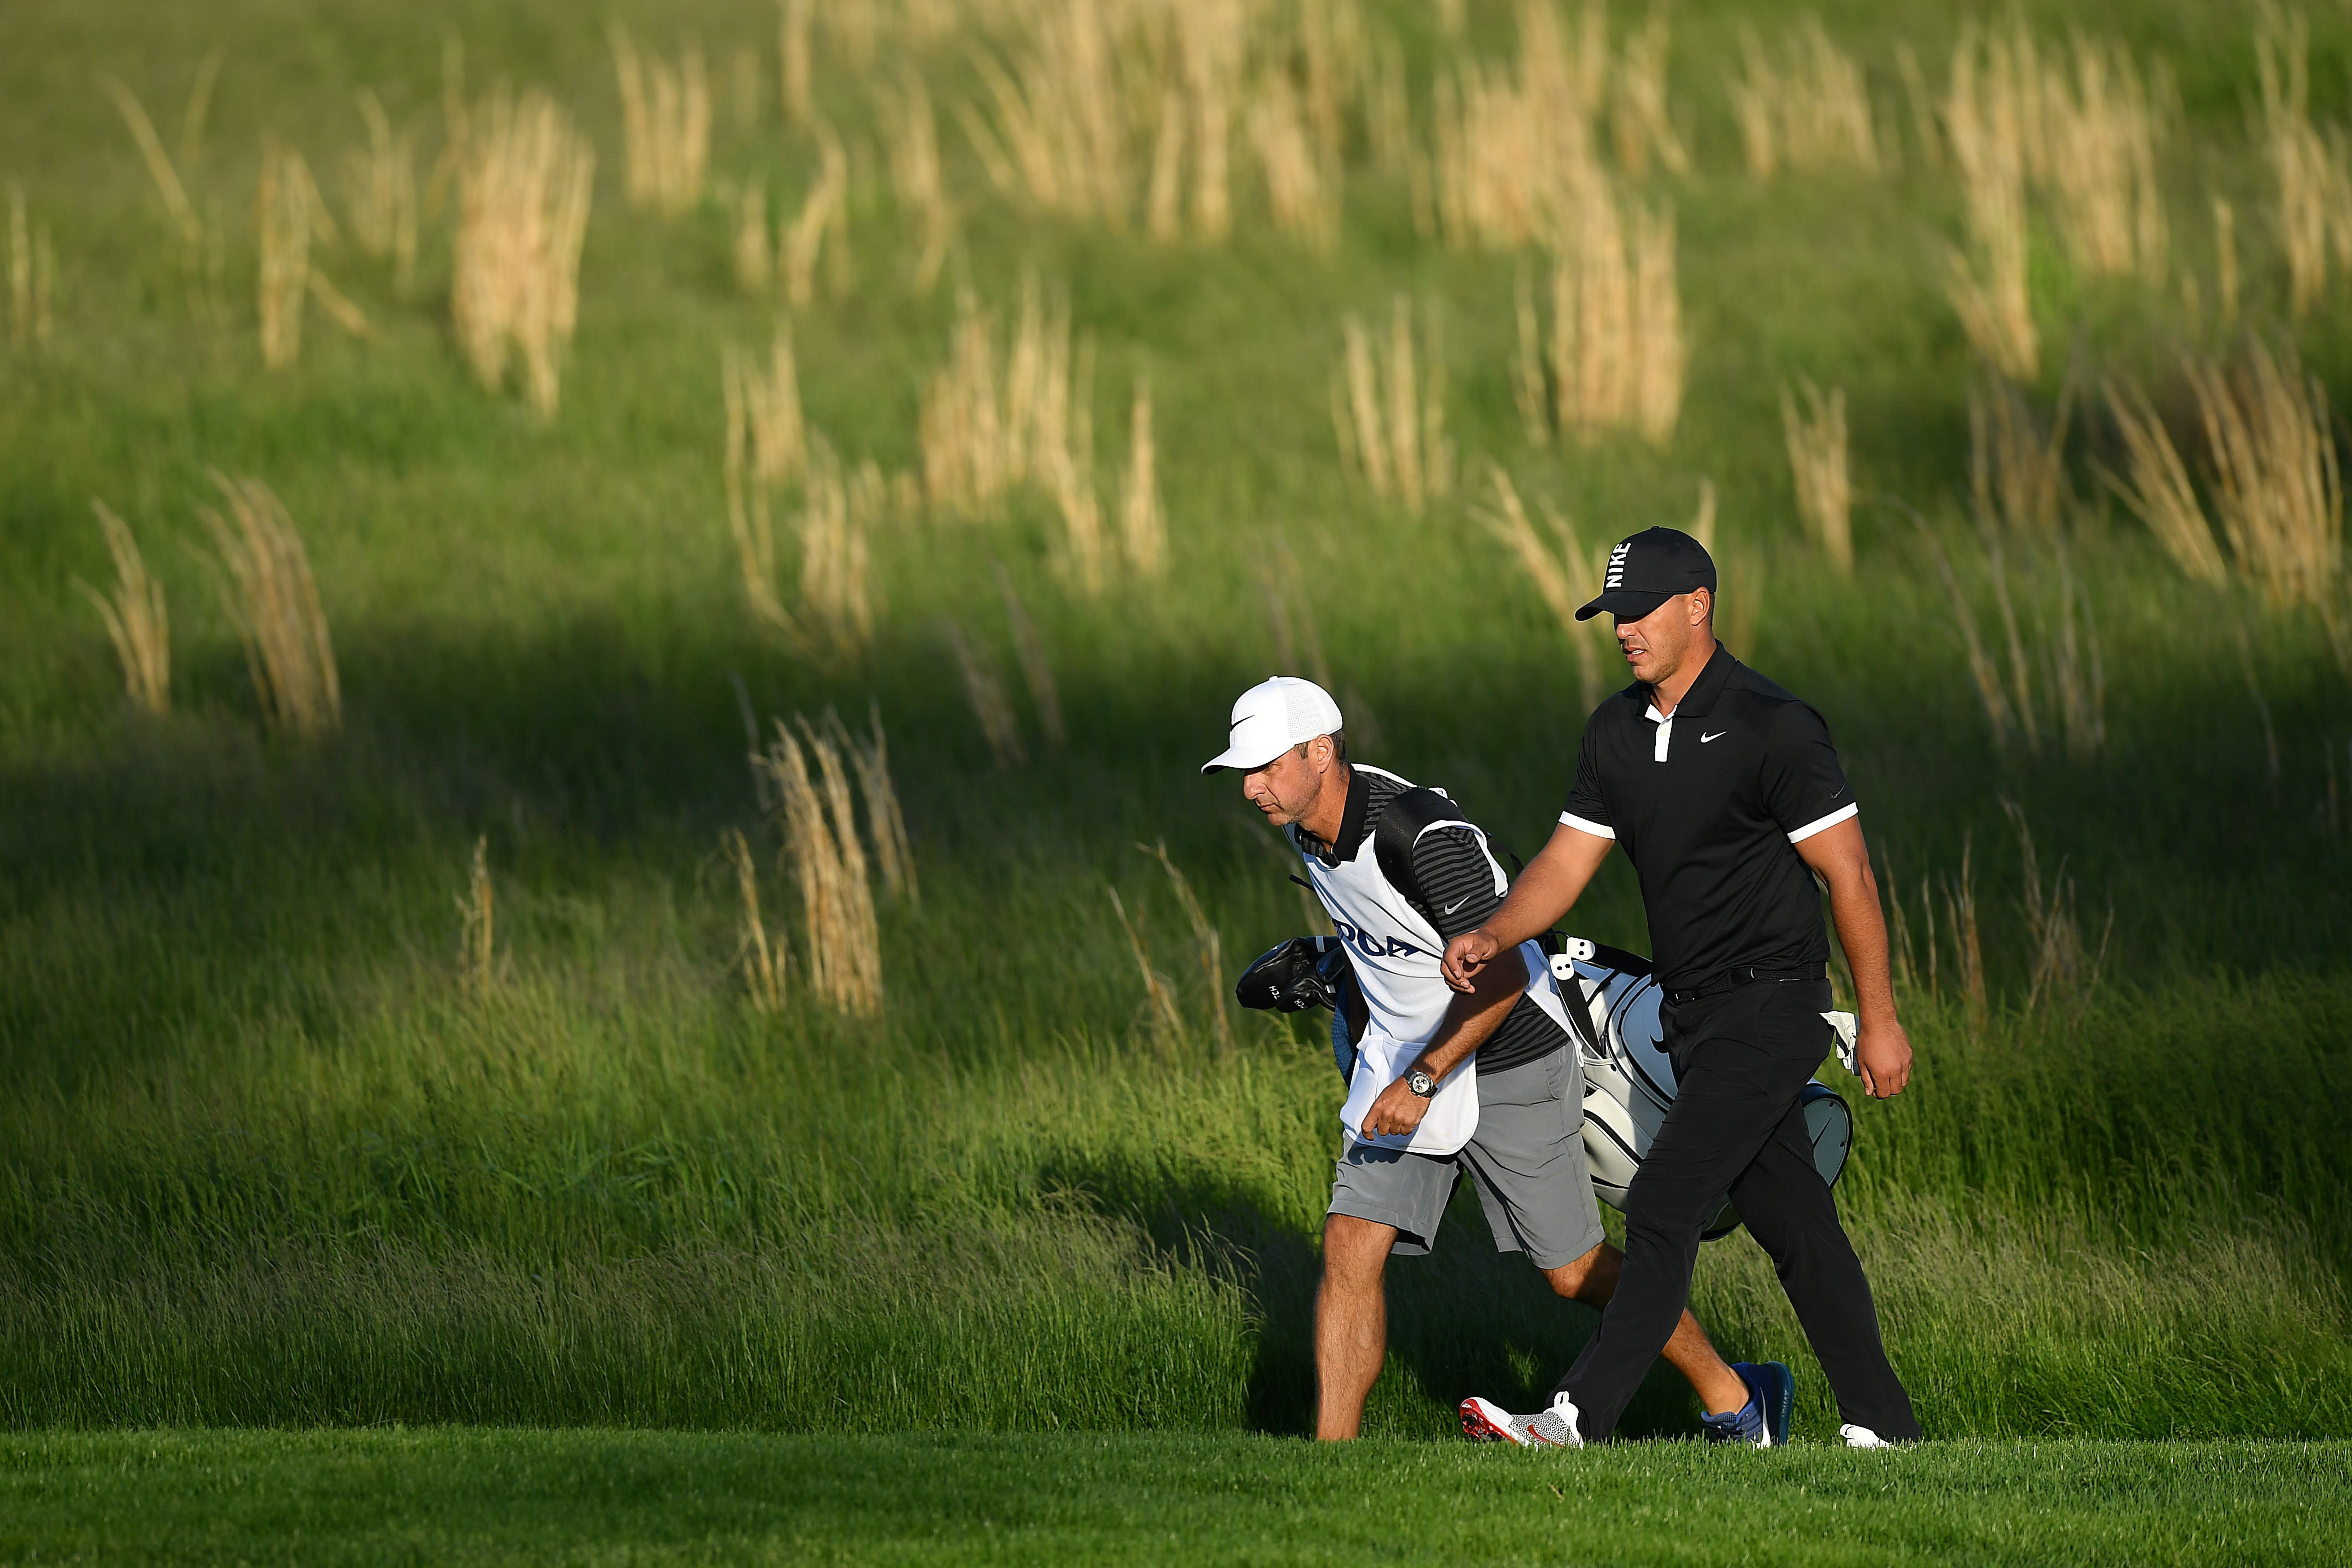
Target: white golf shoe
{"type": "Point", "coordinates": [1485, 1421]}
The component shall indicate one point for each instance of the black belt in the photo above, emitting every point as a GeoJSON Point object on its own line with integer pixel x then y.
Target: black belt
{"type": "Point", "coordinates": [1732, 979]}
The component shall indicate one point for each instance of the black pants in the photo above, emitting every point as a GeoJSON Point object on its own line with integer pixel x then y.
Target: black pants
{"type": "Point", "coordinates": [1741, 1059]}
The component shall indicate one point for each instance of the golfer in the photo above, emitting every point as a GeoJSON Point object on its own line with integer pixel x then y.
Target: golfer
{"type": "Point", "coordinates": [1727, 794]}
{"type": "Point", "coordinates": [1419, 1113]}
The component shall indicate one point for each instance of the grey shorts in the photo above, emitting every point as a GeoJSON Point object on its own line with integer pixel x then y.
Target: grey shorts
{"type": "Point", "coordinates": [1527, 1162]}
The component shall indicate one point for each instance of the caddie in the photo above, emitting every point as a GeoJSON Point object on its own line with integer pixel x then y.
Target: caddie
{"type": "Point", "coordinates": [1727, 794]}
{"type": "Point", "coordinates": [1482, 1085]}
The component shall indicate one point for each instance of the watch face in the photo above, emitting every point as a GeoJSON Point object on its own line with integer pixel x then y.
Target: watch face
{"type": "Point", "coordinates": [1421, 1083]}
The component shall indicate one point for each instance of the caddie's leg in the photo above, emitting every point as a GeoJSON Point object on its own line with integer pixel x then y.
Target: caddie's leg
{"type": "Point", "coordinates": [1790, 1210]}
{"type": "Point", "coordinates": [1593, 1280]}
{"type": "Point", "coordinates": [1351, 1322]}
{"type": "Point", "coordinates": [1731, 1096]}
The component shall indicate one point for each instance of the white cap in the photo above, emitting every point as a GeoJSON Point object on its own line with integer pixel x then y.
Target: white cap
{"type": "Point", "coordinates": [1273, 716]}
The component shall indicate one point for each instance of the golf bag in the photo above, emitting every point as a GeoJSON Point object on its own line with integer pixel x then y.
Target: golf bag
{"type": "Point", "coordinates": [1629, 1080]}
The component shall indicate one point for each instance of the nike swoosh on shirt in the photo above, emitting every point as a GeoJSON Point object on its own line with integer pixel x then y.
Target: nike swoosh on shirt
{"type": "Point", "coordinates": [1718, 735]}
{"type": "Point", "coordinates": [1454, 905]}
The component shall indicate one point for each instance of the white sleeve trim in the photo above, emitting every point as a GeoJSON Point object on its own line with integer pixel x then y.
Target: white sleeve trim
{"type": "Point", "coordinates": [1598, 830]}
{"type": "Point", "coordinates": [1851, 809]}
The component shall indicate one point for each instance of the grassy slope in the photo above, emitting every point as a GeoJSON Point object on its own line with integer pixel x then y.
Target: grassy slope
{"type": "Point", "coordinates": [497, 1496]}
{"type": "Point", "coordinates": [262, 1160]}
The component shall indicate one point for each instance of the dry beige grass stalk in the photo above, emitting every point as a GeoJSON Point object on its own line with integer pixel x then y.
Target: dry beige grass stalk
{"type": "Point", "coordinates": [886, 825]}
{"type": "Point", "coordinates": [1302, 186]}
{"type": "Point", "coordinates": [794, 25]}
{"type": "Point", "coordinates": [776, 433]}
{"type": "Point", "coordinates": [379, 192]}
{"type": "Point", "coordinates": [1640, 126]}
{"type": "Point", "coordinates": [1564, 573]}
{"type": "Point", "coordinates": [1516, 151]}
{"type": "Point", "coordinates": [136, 619]}
{"type": "Point", "coordinates": [766, 444]}
{"type": "Point", "coordinates": [1211, 47]}
{"type": "Point", "coordinates": [2277, 486]}
{"type": "Point", "coordinates": [1123, 111]}
{"type": "Point", "coordinates": [478, 930]}
{"type": "Point", "coordinates": [1062, 125]}
{"type": "Point", "coordinates": [749, 254]}
{"type": "Point", "coordinates": [1159, 992]}
{"type": "Point", "coordinates": [836, 599]}
{"type": "Point", "coordinates": [2225, 260]}
{"type": "Point", "coordinates": [160, 167]}
{"type": "Point", "coordinates": [2313, 179]}
{"type": "Point", "coordinates": [1989, 111]}
{"type": "Point", "coordinates": [843, 937]}
{"type": "Point", "coordinates": [524, 181]}
{"type": "Point", "coordinates": [1817, 459]}
{"type": "Point", "coordinates": [2056, 679]}
{"type": "Point", "coordinates": [1390, 415]}
{"type": "Point", "coordinates": [2155, 486]}
{"type": "Point", "coordinates": [824, 210]}
{"type": "Point", "coordinates": [1615, 354]}
{"type": "Point", "coordinates": [762, 960]}
{"type": "Point", "coordinates": [1808, 108]}
{"type": "Point", "coordinates": [986, 690]}
{"type": "Point", "coordinates": [911, 130]}
{"type": "Point", "coordinates": [1143, 526]}
{"type": "Point", "coordinates": [2062, 966]}
{"type": "Point", "coordinates": [985, 431]}
{"type": "Point", "coordinates": [2017, 471]}
{"type": "Point", "coordinates": [283, 209]}
{"type": "Point", "coordinates": [2099, 135]}
{"type": "Point", "coordinates": [267, 590]}
{"type": "Point", "coordinates": [1069, 473]}
{"type": "Point", "coordinates": [1208, 947]}
{"type": "Point", "coordinates": [32, 273]}
{"type": "Point", "coordinates": [665, 124]}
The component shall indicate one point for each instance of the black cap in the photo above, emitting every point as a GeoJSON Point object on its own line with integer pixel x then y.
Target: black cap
{"type": "Point", "coordinates": [1647, 569]}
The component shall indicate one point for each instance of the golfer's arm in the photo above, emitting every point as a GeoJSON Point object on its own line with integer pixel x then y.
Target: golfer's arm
{"type": "Point", "coordinates": [1549, 888]}
{"type": "Point", "coordinates": [1475, 1013]}
{"type": "Point", "coordinates": [1843, 860]}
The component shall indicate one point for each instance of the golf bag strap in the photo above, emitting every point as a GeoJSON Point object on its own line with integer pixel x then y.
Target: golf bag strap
{"type": "Point", "coordinates": [1406, 818]}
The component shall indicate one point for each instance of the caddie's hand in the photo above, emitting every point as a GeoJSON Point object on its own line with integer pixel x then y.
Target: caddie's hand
{"type": "Point", "coordinates": [1465, 955]}
{"type": "Point", "coordinates": [1396, 1112]}
{"type": "Point", "coordinates": [1882, 1055]}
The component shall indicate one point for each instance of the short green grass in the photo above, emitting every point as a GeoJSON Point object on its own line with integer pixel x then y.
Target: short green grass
{"type": "Point", "coordinates": [266, 1159]}
{"type": "Point", "coordinates": [500, 1496]}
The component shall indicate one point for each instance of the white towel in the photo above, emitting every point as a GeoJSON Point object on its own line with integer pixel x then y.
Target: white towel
{"type": "Point", "coordinates": [1452, 1118]}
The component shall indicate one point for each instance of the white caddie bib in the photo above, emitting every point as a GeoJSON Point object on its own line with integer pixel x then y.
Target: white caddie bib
{"type": "Point", "coordinates": [1396, 954]}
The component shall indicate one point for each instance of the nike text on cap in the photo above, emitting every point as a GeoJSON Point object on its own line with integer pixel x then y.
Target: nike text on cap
{"type": "Point", "coordinates": [1647, 569]}
{"type": "Point", "coordinates": [1272, 717]}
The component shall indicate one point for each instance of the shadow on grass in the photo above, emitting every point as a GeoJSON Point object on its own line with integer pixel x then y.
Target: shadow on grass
{"type": "Point", "coordinates": [1462, 1320]}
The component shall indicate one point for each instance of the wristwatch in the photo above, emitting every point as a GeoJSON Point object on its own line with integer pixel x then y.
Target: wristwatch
{"type": "Point", "coordinates": [1421, 1083]}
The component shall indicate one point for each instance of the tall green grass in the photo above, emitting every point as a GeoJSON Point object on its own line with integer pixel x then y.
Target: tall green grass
{"type": "Point", "coordinates": [266, 1158]}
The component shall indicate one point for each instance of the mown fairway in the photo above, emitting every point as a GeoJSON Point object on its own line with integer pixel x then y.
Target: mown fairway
{"type": "Point", "coordinates": [277, 1148]}
{"type": "Point", "coordinates": [499, 1496]}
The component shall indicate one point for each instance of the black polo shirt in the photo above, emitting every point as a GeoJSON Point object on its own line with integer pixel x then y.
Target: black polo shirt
{"type": "Point", "coordinates": [1709, 805]}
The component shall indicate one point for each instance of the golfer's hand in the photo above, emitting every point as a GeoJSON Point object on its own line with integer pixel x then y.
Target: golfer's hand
{"type": "Point", "coordinates": [1396, 1112]}
{"type": "Point", "coordinates": [1465, 955]}
{"type": "Point", "coordinates": [1882, 1055]}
